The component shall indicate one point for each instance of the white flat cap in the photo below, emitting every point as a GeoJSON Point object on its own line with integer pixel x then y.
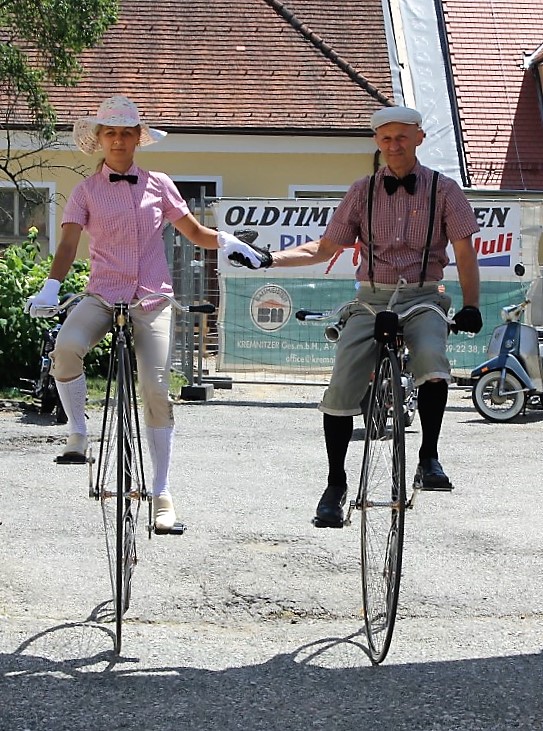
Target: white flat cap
{"type": "Point", "coordinates": [403, 115]}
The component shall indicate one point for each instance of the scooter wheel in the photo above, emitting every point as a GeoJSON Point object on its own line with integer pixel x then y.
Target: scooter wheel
{"type": "Point", "coordinates": [49, 397]}
{"type": "Point", "coordinates": [496, 406]}
{"type": "Point", "coordinates": [61, 414]}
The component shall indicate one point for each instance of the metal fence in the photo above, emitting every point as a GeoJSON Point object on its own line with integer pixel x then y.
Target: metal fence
{"type": "Point", "coordinates": [194, 276]}
{"type": "Point", "coordinates": [199, 341]}
{"type": "Point", "coordinates": [196, 339]}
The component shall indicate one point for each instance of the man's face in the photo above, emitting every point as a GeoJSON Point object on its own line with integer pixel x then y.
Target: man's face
{"type": "Point", "coordinates": [398, 143]}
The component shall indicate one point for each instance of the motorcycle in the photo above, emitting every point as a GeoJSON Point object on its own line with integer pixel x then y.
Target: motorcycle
{"type": "Point", "coordinates": [43, 389]}
{"type": "Point", "coordinates": [512, 378]}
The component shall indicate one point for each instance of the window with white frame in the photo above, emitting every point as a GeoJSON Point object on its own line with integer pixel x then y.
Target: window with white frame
{"type": "Point", "coordinates": [192, 187]}
{"type": "Point", "coordinates": [317, 191]}
{"type": "Point", "coordinates": [22, 208]}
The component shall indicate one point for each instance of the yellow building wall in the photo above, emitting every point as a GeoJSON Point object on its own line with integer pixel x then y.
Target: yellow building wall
{"type": "Point", "coordinates": [243, 175]}
{"type": "Point", "coordinates": [264, 175]}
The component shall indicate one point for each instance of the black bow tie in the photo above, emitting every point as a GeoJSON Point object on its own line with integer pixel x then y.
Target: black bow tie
{"type": "Point", "coordinates": [115, 177]}
{"type": "Point", "coordinates": [392, 184]}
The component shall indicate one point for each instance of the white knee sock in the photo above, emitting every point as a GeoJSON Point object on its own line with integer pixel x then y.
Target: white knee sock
{"type": "Point", "coordinates": [160, 442]}
{"type": "Point", "coordinates": [73, 395]}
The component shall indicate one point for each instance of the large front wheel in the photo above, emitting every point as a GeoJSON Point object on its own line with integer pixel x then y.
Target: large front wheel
{"type": "Point", "coordinates": [498, 401]}
{"type": "Point", "coordinates": [382, 504]}
{"type": "Point", "coordinates": [120, 482]}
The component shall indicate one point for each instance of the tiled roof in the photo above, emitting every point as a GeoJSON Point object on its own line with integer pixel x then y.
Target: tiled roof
{"type": "Point", "coordinates": [497, 98]}
{"type": "Point", "coordinates": [310, 66]}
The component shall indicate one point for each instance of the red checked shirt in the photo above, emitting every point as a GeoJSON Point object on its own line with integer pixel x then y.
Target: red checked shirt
{"type": "Point", "coordinates": [400, 225]}
{"type": "Point", "coordinates": [124, 223]}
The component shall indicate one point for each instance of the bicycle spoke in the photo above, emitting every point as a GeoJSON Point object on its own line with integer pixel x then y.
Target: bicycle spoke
{"type": "Point", "coordinates": [129, 552]}
{"type": "Point", "coordinates": [107, 487]}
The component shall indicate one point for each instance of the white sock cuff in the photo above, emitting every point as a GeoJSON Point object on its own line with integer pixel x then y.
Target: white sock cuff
{"type": "Point", "coordinates": [160, 441]}
{"type": "Point", "coordinates": [73, 395]}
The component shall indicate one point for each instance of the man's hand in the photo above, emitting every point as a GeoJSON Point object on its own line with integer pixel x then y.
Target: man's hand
{"type": "Point", "coordinates": [46, 297]}
{"type": "Point", "coordinates": [242, 254]}
{"type": "Point", "coordinates": [468, 320]}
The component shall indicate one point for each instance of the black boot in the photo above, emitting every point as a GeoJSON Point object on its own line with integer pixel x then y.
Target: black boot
{"type": "Point", "coordinates": [330, 508]}
{"type": "Point", "coordinates": [430, 476]}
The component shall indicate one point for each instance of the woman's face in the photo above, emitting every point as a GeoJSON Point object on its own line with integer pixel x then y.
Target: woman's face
{"type": "Point", "coordinates": [119, 145]}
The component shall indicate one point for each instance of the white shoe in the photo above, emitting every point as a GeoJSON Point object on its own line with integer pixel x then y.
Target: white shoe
{"type": "Point", "coordinates": [76, 446]}
{"type": "Point", "coordinates": [163, 512]}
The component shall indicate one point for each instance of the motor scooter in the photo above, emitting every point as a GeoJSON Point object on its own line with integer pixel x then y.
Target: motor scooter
{"type": "Point", "coordinates": [512, 377]}
{"type": "Point", "coordinates": [43, 389]}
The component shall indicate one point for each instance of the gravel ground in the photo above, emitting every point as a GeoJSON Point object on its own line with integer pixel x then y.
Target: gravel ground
{"type": "Point", "coordinates": [251, 620]}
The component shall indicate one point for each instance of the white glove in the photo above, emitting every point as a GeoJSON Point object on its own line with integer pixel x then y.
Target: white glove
{"type": "Point", "coordinates": [46, 297]}
{"type": "Point", "coordinates": [238, 253]}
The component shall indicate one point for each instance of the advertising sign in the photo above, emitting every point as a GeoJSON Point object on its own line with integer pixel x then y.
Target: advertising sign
{"type": "Point", "coordinates": [284, 224]}
{"type": "Point", "coordinates": [498, 242]}
{"type": "Point", "coordinates": [258, 329]}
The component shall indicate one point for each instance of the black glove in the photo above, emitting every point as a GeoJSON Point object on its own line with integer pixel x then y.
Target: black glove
{"type": "Point", "coordinates": [244, 253]}
{"type": "Point", "coordinates": [468, 320]}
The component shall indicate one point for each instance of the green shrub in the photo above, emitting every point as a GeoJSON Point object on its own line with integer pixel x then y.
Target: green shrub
{"type": "Point", "coordinates": [22, 274]}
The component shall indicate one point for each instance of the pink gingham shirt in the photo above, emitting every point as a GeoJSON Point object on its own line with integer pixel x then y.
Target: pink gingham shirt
{"type": "Point", "coordinates": [124, 223]}
{"type": "Point", "coordinates": [400, 224]}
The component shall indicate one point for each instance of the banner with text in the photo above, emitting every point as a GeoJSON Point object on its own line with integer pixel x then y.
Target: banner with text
{"type": "Point", "coordinates": [257, 326]}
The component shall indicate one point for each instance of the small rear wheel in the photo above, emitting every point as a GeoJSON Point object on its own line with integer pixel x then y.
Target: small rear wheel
{"type": "Point", "coordinates": [410, 396]}
{"type": "Point", "coordinates": [410, 408]}
{"type": "Point", "coordinates": [495, 404]}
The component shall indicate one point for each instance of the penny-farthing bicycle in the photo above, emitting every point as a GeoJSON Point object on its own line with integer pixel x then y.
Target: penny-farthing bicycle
{"type": "Point", "coordinates": [120, 479]}
{"type": "Point", "coordinates": [381, 497]}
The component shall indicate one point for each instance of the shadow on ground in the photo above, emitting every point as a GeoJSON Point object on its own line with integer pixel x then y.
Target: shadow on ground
{"type": "Point", "coordinates": [67, 677]}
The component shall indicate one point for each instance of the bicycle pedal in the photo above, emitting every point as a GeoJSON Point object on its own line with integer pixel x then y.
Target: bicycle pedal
{"type": "Point", "coordinates": [176, 530]}
{"type": "Point", "coordinates": [71, 459]}
{"type": "Point", "coordinates": [317, 523]}
{"type": "Point", "coordinates": [436, 489]}
{"type": "Point", "coordinates": [431, 488]}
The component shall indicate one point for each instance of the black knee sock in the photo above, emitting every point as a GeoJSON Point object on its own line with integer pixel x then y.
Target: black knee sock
{"type": "Point", "coordinates": [338, 431]}
{"type": "Point", "coordinates": [432, 399]}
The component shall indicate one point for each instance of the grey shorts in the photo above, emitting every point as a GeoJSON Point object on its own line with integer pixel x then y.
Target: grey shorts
{"type": "Point", "coordinates": [425, 335]}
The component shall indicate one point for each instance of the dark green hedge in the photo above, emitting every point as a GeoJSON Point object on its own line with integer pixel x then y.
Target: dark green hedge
{"type": "Point", "coordinates": [22, 274]}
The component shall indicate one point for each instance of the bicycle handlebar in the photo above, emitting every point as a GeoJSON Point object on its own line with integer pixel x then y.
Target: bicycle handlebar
{"type": "Point", "coordinates": [206, 309]}
{"type": "Point", "coordinates": [333, 332]}
{"type": "Point", "coordinates": [305, 315]}
{"type": "Point", "coordinates": [513, 313]}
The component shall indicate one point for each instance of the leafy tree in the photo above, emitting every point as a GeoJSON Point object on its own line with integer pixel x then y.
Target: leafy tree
{"type": "Point", "coordinates": [40, 41]}
{"type": "Point", "coordinates": [40, 45]}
